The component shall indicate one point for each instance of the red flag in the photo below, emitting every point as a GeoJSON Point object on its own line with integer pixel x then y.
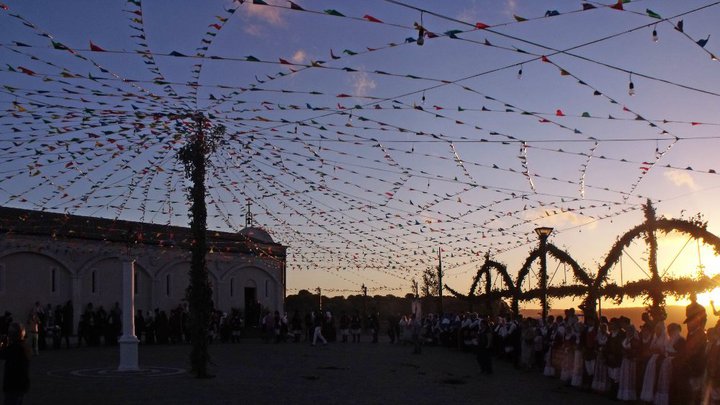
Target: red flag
{"type": "Point", "coordinates": [559, 113]}
{"type": "Point", "coordinates": [216, 26]}
{"type": "Point", "coordinates": [95, 48]}
{"type": "Point", "coordinates": [545, 59]}
{"type": "Point", "coordinates": [618, 5]}
{"type": "Point", "coordinates": [26, 71]}
{"type": "Point", "coordinates": [481, 26]}
{"type": "Point", "coordinates": [371, 18]}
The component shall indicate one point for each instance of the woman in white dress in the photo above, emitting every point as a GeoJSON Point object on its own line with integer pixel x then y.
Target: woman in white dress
{"type": "Point", "coordinates": [600, 382]}
{"type": "Point", "coordinates": [673, 347]}
{"type": "Point", "coordinates": [657, 352]}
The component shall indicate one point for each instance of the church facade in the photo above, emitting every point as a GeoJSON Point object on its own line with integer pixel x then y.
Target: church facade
{"type": "Point", "coordinates": [54, 258]}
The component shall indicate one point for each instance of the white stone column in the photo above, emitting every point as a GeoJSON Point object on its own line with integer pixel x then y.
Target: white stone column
{"type": "Point", "coordinates": [128, 341]}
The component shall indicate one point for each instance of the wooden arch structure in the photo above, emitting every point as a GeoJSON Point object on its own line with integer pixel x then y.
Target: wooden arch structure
{"type": "Point", "coordinates": [591, 289]}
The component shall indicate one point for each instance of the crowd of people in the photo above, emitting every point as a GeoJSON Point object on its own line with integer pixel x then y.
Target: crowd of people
{"type": "Point", "coordinates": [53, 327]}
{"type": "Point", "coordinates": [652, 362]}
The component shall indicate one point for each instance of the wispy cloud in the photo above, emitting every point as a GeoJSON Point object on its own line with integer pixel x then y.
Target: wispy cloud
{"type": "Point", "coordinates": [469, 14]}
{"type": "Point", "coordinates": [299, 56]}
{"type": "Point", "coordinates": [270, 15]}
{"type": "Point", "coordinates": [510, 7]}
{"type": "Point", "coordinates": [681, 179]}
{"type": "Point", "coordinates": [253, 29]}
{"type": "Point", "coordinates": [362, 84]}
{"type": "Point", "coordinates": [560, 219]}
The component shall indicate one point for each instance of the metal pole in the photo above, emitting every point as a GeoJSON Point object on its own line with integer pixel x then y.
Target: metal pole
{"type": "Point", "coordinates": [543, 275]}
{"type": "Point", "coordinates": [440, 284]}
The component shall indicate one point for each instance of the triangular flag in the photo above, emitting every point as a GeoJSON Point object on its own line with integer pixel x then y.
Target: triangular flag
{"type": "Point", "coordinates": [679, 26]}
{"type": "Point", "coordinates": [618, 5]}
{"type": "Point", "coordinates": [294, 6]}
{"type": "Point", "coordinates": [95, 48]}
{"type": "Point", "coordinates": [334, 12]}
{"type": "Point", "coordinates": [588, 6]}
{"type": "Point", "coordinates": [653, 14]}
{"type": "Point", "coordinates": [371, 18]}
{"type": "Point", "coordinates": [518, 18]}
{"type": "Point", "coordinates": [481, 26]}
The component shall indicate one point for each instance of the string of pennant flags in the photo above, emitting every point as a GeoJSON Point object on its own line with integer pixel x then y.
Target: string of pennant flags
{"type": "Point", "coordinates": [336, 177]}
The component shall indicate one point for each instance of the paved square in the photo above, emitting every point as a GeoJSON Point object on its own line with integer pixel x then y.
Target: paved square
{"type": "Point", "coordinates": [255, 372]}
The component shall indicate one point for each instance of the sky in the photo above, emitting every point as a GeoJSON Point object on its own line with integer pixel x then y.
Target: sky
{"type": "Point", "coordinates": [359, 149]}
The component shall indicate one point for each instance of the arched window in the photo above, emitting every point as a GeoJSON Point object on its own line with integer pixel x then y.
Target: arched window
{"type": "Point", "coordinates": [53, 280]}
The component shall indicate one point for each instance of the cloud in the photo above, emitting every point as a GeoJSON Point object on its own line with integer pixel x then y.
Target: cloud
{"type": "Point", "coordinates": [510, 7]}
{"type": "Point", "coordinates": [559, 219]}
{"type": "Point", "coordinates": [270, 15]}
{"type": "Point", "coordinates": [470, 14]}
{"type": "Point", "coordinates": [254, 30]}
{"type": "Point", "coordinates": [299, 57]}
{"type": "Point", "coordinates": [362, 84]}
{"type": "Point", "coordinates": [680, 179]}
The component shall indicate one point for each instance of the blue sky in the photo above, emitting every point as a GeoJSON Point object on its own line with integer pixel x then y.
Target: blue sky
{"type": "Point", "coordinates": [366, 163]}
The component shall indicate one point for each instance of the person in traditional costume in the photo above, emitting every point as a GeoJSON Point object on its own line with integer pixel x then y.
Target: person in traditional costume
{"type": "Point", "coordinates": [713, 367]}
{"type": "Point", "coordinates": [674, 348]}
{"type": "Point", "coordinates": [693, 368]}
{"type": "Point", "coordinates": [657, 354]}
{"type": "Point", "coordinates": [600, 381]}
{"type": "Point", "coordinates": [568, 349]}
{"type": "Point", "coordinates": [627, 378]}
{"type": "Point", "coordinates": [613, 355]}
{"type": "Point", "coordinates": [555, 352]}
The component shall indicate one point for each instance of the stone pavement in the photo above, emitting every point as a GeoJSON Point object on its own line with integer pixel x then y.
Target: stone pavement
{"type": "Point", "coordinates": [253, 372]}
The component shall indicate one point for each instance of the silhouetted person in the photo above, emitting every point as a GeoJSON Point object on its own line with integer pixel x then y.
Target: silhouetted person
{"type": "Point", "coordinates": [16, 378]}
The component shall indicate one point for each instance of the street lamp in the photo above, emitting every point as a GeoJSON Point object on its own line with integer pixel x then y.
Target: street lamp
{"type": "Point", "coordinates": [543, 232]}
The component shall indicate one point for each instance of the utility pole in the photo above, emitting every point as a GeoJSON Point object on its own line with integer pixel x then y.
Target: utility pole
{"type": "Point", "coordinates": [319, 291]}
{"type": "Point", "coordinates": [440, 284]}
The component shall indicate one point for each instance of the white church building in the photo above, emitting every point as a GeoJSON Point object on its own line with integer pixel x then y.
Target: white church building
{"type": "Point", "coordinates": [53, 258]}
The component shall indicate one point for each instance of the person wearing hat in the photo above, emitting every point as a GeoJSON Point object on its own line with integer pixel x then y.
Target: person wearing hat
{"type": "Point", "coordinates": [16, 378]}
{"type": "Point", "coordinates": [695, 311]}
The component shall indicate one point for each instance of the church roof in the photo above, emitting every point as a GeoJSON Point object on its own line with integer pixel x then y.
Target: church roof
{"type": "Point", "coordinates": [64, 226]}
{"type": "Point", "coordinates": [257, 234]}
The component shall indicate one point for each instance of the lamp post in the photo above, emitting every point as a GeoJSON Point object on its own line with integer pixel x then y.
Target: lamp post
{"type": "Point", "coordinates": [543, 233]}
{"type": "Point", "coordinates": [364, 291]}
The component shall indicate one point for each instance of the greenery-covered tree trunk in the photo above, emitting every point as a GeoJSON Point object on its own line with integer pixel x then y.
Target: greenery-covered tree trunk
{"type": "Point", "coordinates": [194, 155]}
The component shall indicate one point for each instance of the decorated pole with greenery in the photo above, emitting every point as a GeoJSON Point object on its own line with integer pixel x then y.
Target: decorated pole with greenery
{"type": "Point", "coordinates": [194, 155]}
{"type": "Point", "coordinates": [656, 293]}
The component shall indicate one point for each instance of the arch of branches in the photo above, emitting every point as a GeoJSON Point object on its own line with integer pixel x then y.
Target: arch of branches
{"type": "Point", "coordinates": [653, 289]}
